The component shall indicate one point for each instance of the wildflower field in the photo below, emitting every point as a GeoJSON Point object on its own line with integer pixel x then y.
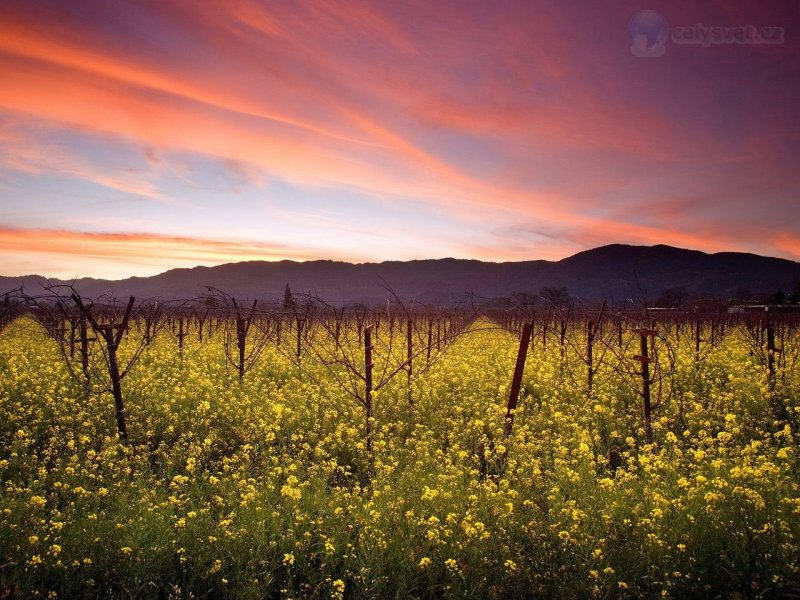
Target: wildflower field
{"type": "Point", "coordinates": [263, 487]}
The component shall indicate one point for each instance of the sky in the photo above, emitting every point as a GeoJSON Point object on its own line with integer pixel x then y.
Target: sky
{"type": "Point", "coordinates": [141, 136]}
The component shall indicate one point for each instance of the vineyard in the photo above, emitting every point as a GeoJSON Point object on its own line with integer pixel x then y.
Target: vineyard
{"type": "Point", "coordinates": [220, 448]}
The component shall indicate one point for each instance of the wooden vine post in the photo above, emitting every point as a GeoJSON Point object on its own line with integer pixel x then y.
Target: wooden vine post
{"type": "Point", "coordinates": [430, 341]}
{"type": "Point", "coordinates": [300, 324]}
{"type": "Point", "coordinates": [181, 334]}
{"type": "Point", "coordinates": [771, 350]}
{"type": "Point", "coordinates": [73, 333]}
{"type": "Point", "coordinates": [368, 364]}
{"type": "Point", "coordinates": [779, 408]}
{"type": "Point", "coordinates": [697, 340]}
{"type": "Point", "coordinates": [563, 338]}
{"type": "Point", "coordinates": [591, 333]}
{"type": "Point", "coordinates": [644, 358]}
{"type": "Point", "coordinates": [410, 359]}
{"type": "Point", "coordinates": [84, 339]}
{"type": "Point", "coordinates": [201, 322]}
{"type": "Point", "coordinates": [516, 381]}
{"type": "Point", "coordinates": [544, 328]}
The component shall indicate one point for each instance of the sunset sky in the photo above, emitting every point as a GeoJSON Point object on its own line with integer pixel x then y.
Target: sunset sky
{"type": "Point", "coordinates": [141, 136]}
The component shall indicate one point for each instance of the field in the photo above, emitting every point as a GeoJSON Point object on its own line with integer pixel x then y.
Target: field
{"type": "Point", "coordinates": [270, 485]}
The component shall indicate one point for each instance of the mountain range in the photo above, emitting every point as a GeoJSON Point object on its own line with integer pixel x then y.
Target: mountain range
{"type": "Point", "coordinates": [615, 272]}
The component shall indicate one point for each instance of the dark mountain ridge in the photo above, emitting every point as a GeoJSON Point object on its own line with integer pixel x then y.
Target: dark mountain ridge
{"type": "Point", "coordinates": [616, 272]}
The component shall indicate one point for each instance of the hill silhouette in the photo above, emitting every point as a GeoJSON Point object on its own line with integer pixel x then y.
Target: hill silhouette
{"type": "Point", "coordinates": [616, 273]}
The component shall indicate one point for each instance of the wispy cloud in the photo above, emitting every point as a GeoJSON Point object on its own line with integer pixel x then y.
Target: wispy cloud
{"type": "Point", "coordinates": [140, 253]}
{"type": "Point", "coordinates": [19, 152]}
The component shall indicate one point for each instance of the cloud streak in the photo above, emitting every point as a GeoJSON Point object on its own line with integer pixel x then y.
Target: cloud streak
{"type": "Point", "coordinates": [138, 253]}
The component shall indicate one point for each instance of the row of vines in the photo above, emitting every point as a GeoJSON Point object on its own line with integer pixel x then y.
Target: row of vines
{"type": "Point", "coordinates": [218, 447]}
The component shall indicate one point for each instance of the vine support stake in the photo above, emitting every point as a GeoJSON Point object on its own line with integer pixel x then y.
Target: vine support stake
{"type": "Point", "coordinates": [644, 358]}
{"type": "Point", "coordinates": [181, 335]}
{"type": "Point", "coordinates": [771, 352]}
{"type": "Point", "coordinates": [410, 359]}
{"type": "Point", "coordinates": [697, 340]}
{"type": "Point", "coordinates": [368, 364]}
{"type": "Point", "coordinates": [516, 381]}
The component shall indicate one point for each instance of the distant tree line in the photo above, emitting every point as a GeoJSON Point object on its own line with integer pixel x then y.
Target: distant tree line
{"type": "Point", "coordinates": [670, 298]}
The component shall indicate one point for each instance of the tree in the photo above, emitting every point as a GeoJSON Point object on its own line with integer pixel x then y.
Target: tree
{"type": "Point", "coordinates": [672, 297]}
{"type": "Point", "coordinates": [558, 297]}
{"type": "Point", "coordinates": [288, 299]}
{"type": "Point", "coordinates": [794, 297]}
{"type": "Point", "coordinates": [778, 297]}
{"type": "Point", "coordinates": [525, 300]}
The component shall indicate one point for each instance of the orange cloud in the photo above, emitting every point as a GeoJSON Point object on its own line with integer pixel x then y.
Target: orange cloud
{"type": "Point", "coordinates": [80, 253]}
{"type": "Point", "coordinates": [307, 133]}
{"type": "Point", "coordinates": [787, 243]}
{"type": "Point", "coordinates": [103, 105]}
{"type": "Point", "coordinates": [55, 47]}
